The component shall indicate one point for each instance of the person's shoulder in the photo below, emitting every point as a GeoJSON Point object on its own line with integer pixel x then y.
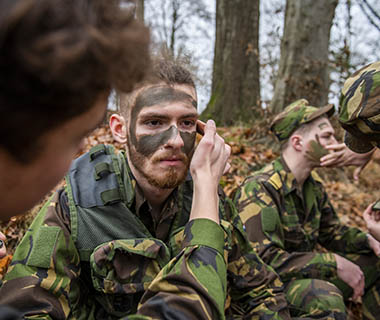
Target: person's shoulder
{"type": "Point", "coordinates": [316, 177]}
{"type": "Point", "coordinates": [7, 313]}
{"type": "Point", "coordinates": [271, 173]}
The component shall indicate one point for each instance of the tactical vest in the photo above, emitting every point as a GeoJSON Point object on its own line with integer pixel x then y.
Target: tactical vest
{"type": "Point", "coordinates": [107, 233]}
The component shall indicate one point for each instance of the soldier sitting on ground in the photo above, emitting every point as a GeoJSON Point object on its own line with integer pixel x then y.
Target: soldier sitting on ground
{"type": "Point", "coordinates": [95, 251]}
{"type": "Point", "coordinates": [286, 213]}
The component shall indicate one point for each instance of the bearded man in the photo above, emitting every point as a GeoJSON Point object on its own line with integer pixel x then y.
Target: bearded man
{"type": "Point", "coordinates": [119, 232]}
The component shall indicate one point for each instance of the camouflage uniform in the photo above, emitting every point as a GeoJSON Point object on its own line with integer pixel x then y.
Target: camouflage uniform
{"type": "Point", "coordinates": [95, 252]}
{"type": "Point", "coordinates": [285, 224]}
{"type": "Point", "coordinates": [359, 110]}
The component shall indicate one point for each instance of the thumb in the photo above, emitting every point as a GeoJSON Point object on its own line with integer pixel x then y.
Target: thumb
{"type": "Point", "coordinates": [357, 172]}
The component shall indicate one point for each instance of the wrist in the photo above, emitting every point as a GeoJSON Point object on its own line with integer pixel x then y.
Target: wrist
{"type": "Point", "coordinates": [205, 203]}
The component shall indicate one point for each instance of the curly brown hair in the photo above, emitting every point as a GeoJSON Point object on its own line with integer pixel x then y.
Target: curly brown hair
{"type": "Point", "coordinates": [57, 57]}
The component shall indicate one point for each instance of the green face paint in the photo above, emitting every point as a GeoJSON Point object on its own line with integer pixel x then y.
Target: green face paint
{"type": "Point", "coordinates": [322, 125]}
{"type": "Point", "coordinates": [315, 151]}
{"type": "Point", "coordinates": [148, 144]}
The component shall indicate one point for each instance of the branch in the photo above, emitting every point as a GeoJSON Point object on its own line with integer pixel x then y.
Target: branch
{"type": "Point", "coordinates": [368, 16]}
{"type": "Point", "coordinates": [371, 9]}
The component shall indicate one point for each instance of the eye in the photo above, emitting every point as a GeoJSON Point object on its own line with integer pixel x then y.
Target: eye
{"type": "Point", "coordinates": [153, 123]}
{"type": "Point", "coordinates": [188, 124]}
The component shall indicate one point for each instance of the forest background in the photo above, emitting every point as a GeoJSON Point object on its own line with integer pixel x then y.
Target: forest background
{"type": "Point", "coordinates": [250, 59]}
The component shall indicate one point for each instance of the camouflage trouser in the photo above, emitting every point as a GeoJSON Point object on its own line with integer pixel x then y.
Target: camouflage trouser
{"type": "Point", "coordinates": [314, 298]}
{"type": "Point", "coordinates": [310, 297]}
{"type": "Point", "coordinates": [370, 265]}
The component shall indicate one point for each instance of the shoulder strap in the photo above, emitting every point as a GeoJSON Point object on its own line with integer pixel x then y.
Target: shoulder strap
{"type": "Point", "coordinates": [93, 179]}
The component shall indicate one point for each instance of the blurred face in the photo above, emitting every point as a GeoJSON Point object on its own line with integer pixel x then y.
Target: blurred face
{"type": "Point", "coordinates": [319, 135]}
{"type": "Point", "coordinates": [161, 134]}
{"type": "Point", "coordinates": [23, 185]}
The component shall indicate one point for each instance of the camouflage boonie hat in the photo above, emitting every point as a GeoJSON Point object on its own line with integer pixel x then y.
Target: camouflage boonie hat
{"type": "Point", "coordinates": [296, 114]}
{"type": "Point", "coordinates": [359, 111]}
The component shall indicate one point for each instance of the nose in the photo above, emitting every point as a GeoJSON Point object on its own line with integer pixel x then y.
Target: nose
{"type": "Point", "coordinates": [175, 139]}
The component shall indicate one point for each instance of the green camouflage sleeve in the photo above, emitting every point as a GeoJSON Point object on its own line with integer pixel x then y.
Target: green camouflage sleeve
{"type": "Point", "coordinates": [255, 290]}
{"type": "Point", "coordinates": [264, 229]}
{"type": "Point", "coordinates": [44, 268]}
{"type": "Point", "coordinates": [194, 280]}
{"type": "Point", "coordinates": [337, 237]}
{"type": "Point", "coordinates": [43, 279]}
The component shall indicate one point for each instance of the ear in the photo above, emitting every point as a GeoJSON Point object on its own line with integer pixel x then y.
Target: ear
{"type": "Point", "coordinates": [118, 128]}
{"type": "Point", "coordinates": [297, 142]}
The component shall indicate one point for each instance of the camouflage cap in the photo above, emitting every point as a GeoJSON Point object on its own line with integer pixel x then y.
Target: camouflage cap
{"type": "Point", "coordinates": [296, 114]}
{"type": "Point", "coordinates": [359, 109]}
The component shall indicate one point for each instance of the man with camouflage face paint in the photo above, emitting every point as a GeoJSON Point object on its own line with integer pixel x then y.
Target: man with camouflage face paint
{"type": "Point", "coordinates": [119, 234]}
{"type": "Point", "coordinates": [286, 213]}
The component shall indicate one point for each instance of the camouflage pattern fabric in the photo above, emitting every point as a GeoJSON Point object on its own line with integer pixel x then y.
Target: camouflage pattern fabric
{"type": "Point", "coordinates": [48, 280]}
{"type": "Point", "coordinates": [284, 225]}
{"type": "Point", "coordinates": [359, 109]}
{"type": "Point", "coordinates": [296, 114]}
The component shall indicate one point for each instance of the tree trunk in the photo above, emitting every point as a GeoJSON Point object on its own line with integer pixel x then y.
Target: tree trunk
{"type": "Point", "coordinates": [304, 69]}
{"type": "Point", "coordinates": [235, 93]}
{"type": "Point", "coordinates": [140, 10]}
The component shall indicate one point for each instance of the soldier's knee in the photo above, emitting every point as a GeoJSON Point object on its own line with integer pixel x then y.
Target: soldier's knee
{"type": "Point", "coordinates": [324, 295]}
{"type": "Point", "coordinates": [315, 296]}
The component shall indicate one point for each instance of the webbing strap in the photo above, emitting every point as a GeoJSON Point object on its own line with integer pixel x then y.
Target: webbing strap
{"type": "Point", "coordinates": [102, 169]}
{"type": "Point", "coordinates": [97, 150]}
{"type": "Point", "coordinates": [110, 196]}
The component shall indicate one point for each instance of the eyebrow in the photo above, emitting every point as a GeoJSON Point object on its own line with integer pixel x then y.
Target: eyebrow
{"type": "Point", "coordinates": [164, 116]}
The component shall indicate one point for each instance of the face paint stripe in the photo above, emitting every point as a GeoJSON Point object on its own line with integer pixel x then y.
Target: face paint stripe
{"type": "Point", "coordinates": [188, 141]}
{"type": "Point", "coordinates": [148, 144]}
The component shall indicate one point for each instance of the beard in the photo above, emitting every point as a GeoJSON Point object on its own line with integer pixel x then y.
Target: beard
{"type": "Point", "coordinates": [168, 178]}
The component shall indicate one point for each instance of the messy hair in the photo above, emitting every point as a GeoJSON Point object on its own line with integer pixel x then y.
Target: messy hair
{"type": "Point", "coordinates": [57, 57]}
{"type": "Point", "coordinates": [164, 70]}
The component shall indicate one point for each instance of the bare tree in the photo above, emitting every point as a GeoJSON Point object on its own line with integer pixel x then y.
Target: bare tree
{"type": "Point", "coordinates": [235, 93]}
{"type": "Point", "coordinates": [173, 21]}
{"type": "Point", "coordinates": [304, 63]}
{"type": "Point", "coordinates": [370, 12]}
{"type": "Point", "coordinates": [140, 9]}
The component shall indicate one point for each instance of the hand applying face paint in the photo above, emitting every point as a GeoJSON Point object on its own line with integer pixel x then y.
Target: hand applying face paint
{"type": "Point", "coordinates": [207, 166]}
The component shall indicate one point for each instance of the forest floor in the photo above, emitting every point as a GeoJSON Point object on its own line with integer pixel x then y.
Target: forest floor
{"type": "Point", "coordinates": [252, 148]}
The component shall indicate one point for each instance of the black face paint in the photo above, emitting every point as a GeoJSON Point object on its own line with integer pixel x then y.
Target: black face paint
{"type": "Point", "coordinates": [188, 141]}
{"type": "Point", "coordinates": [158, 95]}
{"type": "Point", "coordinates": [153, 96]}
{"type": "Point", "coordinates": [148, 144]}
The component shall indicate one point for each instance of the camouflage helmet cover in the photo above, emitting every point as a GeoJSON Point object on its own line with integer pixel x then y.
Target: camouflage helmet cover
{"type": "Point", "coordinates": [359, 109]}
{"type": "Point", "coordinates": [295, 115]}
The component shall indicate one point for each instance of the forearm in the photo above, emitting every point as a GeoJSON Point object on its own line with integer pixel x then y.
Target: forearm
{"type": "Point", "coordinates": [347, 240]}
{"type": "Point", "coordinates": [205, 201]}
{"type": "Point", "coordinates": [299, 265]}
{"type": "Point", "coordinates": [194, 283]}
{"type": "Point", "coordinates": [38, 280]}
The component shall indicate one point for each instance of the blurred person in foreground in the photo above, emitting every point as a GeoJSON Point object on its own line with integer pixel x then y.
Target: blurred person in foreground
{"type": "Point", "coordinates": [359, 115]}
{"type": "Point", "coordinates": [101, 247]}
{"type": "Point", "coordinates": [286, 212]}
{"type": "Point", "coordinates": [59, 60]}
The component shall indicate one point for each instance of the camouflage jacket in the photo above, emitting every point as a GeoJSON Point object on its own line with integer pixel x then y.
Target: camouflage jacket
{"type": "Point", "coordinates": [285, 226]}
{"type": "Point", "coordinates": [52, 277]}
